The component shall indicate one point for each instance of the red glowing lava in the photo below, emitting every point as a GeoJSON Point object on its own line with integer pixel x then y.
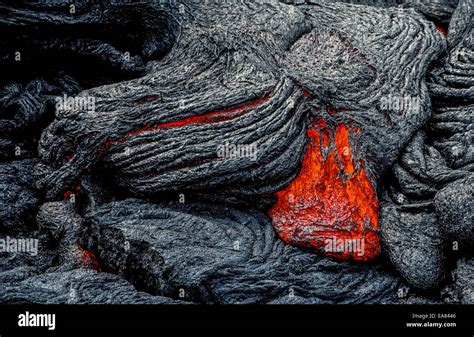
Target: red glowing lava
{"type": "Point", "coordinates": [86, 258]}
{"type": "Point", "coordinates": [441, 30]}
{"type": "Point", "coordinates": [76, 192]}
{"type": "Point", "coordinates": [208, 118]}
{"type": "Point", "coordinates": [331, 205]}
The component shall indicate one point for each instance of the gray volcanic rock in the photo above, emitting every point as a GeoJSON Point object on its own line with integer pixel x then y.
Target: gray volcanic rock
{"type": "Point", "coordinates": [454, 78]}
{"type": "Point", "coordinates": [452, 87]}
{"type": "Point", "coordinates": [223, 255]}
{"type": "Point", "coordinates": [419, 215]}
{"type": "Point", "coordinates": [92, 24]}
{"type": "Point", "coordinates": [438, 10]}
{"type": "Point", "coordinates": [454, 206]}
{"type": "Point", "coordinates": [18, 200]}
{"type": "Point", "coordinates": [453, 130]}
{"type": "Point", "coordinates": [44, 275]}
{"type": "Point", "coordinates": [16, 260]}
{"type": "Point", "coordinates": [231, 67]}
{"type": "Point", "coordinates": [423, 163]}
{"type": "Point", "coordinates": [432, 185]}
{"type": "Point", "coordinates": [59, 219]}
{"type": "Point", "coordinates": [414, 243]}
{"type": "Point", "coordinates": [462, 290]}
{"type": "Point", "coordinates": [24, 107]}
{"type": "Point", "coordinates": [213, 76]}
{"type": "Point", "coordinates": [16, 264]}
{"type": "Point", "coordinates": [365, 60]}
{"type": "Point", "coordinates": [162, 132]}
{"type": "Point", "coordinates": [64, 225]}
{"type": "Point", "coordinates": [79, 286]}
{"type": "Point", "coordinates": [271, 88]}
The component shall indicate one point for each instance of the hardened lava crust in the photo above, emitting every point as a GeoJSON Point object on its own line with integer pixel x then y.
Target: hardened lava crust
{"type": "Point", "coordinates": [271, 152]}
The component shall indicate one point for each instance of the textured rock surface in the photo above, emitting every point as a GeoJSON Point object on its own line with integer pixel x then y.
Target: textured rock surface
{"type": "Point", "coordinates": [354, 57]}
{"type": "Point", "coordinates": [18, 200]}
{"type": "Point", "coordinates": [224, 255]}
{"type": "Point", "coordinates": [310, 63]}
{"type": "Point", "coordinates": [131, 123]}
{"type": "Point", "coordinates": [79, 286]}
{"type": "Point", "coordinates": [461, 291]}
{"type": "Point", "coordinates": [62, 223]}
{"type": "Point", "coordinates": [454, 205]}
{"type": "Point", "coordinates": [351, 61]}
{"type": "Point", "coordinates": [453, 79]}
{"type": "Point", "coordinates": [415, 229]}
{"type": "Point", "coordinates": [432, 181]}
{"type": "Point", "coordinates": [96, 28]}
{"type": "Point", "coordinates": [438, 11]}
{"type": "Point", "coordinates": [414, 243]}
{"type": "Point", "coordinates": [25, 111]}
{"type": "Point", "coordinates": [312, 92]}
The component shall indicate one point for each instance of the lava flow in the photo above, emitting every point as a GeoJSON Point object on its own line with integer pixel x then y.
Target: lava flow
{"type": "Point", "coordinates": [331, 205]}
{"type": "Point", "coordinates": [86, 258]}
{"type": "Point", "coordinates": [208, 118]}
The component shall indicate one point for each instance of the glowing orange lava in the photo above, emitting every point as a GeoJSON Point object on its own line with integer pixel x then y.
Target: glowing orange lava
{"type": "Point", "coordinates": [331, 205]}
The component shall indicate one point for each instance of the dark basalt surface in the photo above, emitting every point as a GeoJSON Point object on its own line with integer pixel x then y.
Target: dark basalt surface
{"type": "Point", "coordinates": [225, 255]}
{"type": "Point", "coordinates": [18, 198]}
{"type": "Point", "coordinates": [461, 290]}
{"type": "Point", "coordinates": [131, 203]}
{"type": "Point", "coordinates": [79, 286]}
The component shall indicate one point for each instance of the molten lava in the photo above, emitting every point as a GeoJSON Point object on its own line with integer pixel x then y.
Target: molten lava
{"type": "Point", "coordinates": [331, 205]}
{"type": "Point", "coordinates": [441, 30]}
{"type": "Point", "coordinates": [86, 258]}
{"type": "Point", "coordinates": [208, 118]}
{"type": "Point", "coordinates": [76, 192]}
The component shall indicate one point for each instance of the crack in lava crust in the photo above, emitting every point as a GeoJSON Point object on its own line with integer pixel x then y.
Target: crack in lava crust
{"type": "Point", "coordinates": [217, 116]}
{"type": "Point", "coordinates": [330, 201]}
